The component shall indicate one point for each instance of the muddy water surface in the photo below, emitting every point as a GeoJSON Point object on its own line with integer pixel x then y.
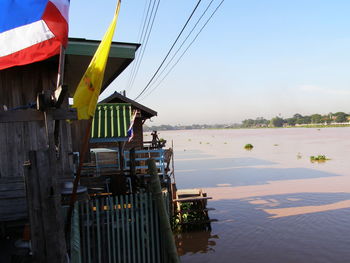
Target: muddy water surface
{"type": "Point", "coordinates": [272, 203]}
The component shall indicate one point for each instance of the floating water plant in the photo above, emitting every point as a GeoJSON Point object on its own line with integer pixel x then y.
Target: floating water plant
{"type": "Point", "coordinates": [275, 144]}
{"type": "Point", "coordinates": [248, 146]}
{"type": "Point", "coordinates": [190, 217]}
{"type": "Point", "coordinates": [319, 158]}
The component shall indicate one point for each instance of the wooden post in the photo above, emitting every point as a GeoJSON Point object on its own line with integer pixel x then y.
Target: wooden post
{"type": "Point", "coordinates": [45, 215]}
{"type": "Point", "coordinates": [73, 197]}
{"type": "Point", "coordinates": [121, 157]}
{"type": "Point", "coordinates": [132, 169]}
{"type": "Point", "coordinates": [164, 221]}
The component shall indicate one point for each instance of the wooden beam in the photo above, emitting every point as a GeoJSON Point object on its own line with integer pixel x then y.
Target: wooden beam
{"type": "Point", "coordinates": [65, 114]}
{"type": "Point", "coordinates": [35, 115]}
{"type": "Point", "coordinates": [191, 199]}
{"type": "Point", "coordinates": [45, 212]}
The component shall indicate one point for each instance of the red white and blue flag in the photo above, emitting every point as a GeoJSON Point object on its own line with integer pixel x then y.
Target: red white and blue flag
{"type": "Point", "coordinates": [130, 131]}
{"type": "Point", "coordinates": [31, 30]}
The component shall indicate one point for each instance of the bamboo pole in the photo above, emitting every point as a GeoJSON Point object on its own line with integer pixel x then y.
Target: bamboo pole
{"type": "Point", "coordinates": [164, 221]}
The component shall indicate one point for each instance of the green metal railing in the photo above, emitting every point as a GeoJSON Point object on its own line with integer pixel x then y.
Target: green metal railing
{"type": "Point", "coordinates": [120, 229]}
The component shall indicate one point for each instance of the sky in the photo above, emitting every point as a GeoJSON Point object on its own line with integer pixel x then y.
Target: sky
{"type": "Point", "coordinates": [253, 59]}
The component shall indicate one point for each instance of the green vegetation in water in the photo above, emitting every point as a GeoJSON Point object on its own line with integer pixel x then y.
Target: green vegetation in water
{"type": "Point", "coordinates": [189, 140]}
{"type": "Point", "coordinates": [248, 146]}
{"type": "Point", "coordinates": [299, 156]}
{"type": "Point", "coordinates": [319, 158]}
{"type": "Point", "coordinates": [208, 142]}
{"type": "Point", "coordinates": [225, 142]}
{"type": "Point", "coordinates": [275, 144]}
{"type": "Point", "coordinates": [190, 217]}
{"type": "Point", "coordinates": [200, 142]}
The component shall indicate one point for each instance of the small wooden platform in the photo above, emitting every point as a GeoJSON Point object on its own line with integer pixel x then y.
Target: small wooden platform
{"type": "Point", "coordinates": [195, 214]}
{"type": "Point", "coordinates": [191, 199]}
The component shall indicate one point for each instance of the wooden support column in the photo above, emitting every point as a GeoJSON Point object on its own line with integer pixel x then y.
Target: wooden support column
{"type": "Point", "coordinates": [45, 215]}
{"type": "Point", "coordinates": [132, 166]}
{"type": "Point", "coordinates": [164, 221]}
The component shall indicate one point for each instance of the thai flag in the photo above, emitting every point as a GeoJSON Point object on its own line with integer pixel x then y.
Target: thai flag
{"type": "Point", "coordinates": [131, 128]}
{"type": "Point", "coordinates": [31, 30]}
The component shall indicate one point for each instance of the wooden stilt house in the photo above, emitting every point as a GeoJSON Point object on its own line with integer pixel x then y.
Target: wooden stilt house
{"type": "Point", "coordinates": [124, 110]}
{"type": "Point", "coordinates": [36, 147]}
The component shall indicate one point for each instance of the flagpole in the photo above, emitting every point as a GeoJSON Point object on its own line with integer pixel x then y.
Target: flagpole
{"type": "Point", "coordinates": [85, 101]}
{"type": "Point", "coordinates": [82, 155]}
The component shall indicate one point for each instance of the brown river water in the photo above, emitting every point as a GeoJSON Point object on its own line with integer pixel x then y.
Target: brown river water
{"type": "Point", "coordinates": [272, 203]}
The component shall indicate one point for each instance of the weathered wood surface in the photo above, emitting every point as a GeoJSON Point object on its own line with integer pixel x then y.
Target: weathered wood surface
{"type": "Point", "coordinates": [35, 115]}
{"type": "Point", "coordinates": [78, 131]}
{"type": "Point", "coordinates": [12, 199]}
{"type": "Point", "coordinates": [19, 86]}
{"type": "Point", "coordinates": [191, 199]}
{"type": "Point", "coordinates": [45, 213]}
{"type": "Point", "coordinates": [13, 204]}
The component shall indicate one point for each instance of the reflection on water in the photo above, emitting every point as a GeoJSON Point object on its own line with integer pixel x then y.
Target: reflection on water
{"type": "Point", "coordinates": [195, 242]}
{"type": "Point", "coordinates": [272, 203]}
{"type": "Point", "coordinates": [249, 234]}
{"type": "Point", "coordinates": [237, 176]}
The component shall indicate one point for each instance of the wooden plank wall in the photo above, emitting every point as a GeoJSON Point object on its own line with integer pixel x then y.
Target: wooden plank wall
{"type": "Point", "coordinates": [78, 130]}
{"type": "Point", "coordinates": [19, 86]}
{"type": "Point", "coordinates": [12, 199]}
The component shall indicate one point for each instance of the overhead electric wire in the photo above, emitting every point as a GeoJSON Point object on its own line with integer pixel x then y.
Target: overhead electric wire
{"type": "Point", "coordinates": [142, 24]}
{"type": "Point", "coordinates": [183, 28]}
{"type": "Point", "coordinates": [183, 53]}
{"type": "Point", "coordinates": [141, 37]}
{"type": "Point", "coordinates": [144, 47]}
{"type": "Point", "coordinates": [183, 42]}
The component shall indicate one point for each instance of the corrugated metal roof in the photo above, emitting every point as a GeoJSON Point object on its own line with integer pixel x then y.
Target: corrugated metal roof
{"type": "Point", "coordinates": [111, 122]}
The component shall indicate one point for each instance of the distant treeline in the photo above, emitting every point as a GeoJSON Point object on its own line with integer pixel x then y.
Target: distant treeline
{"type": "Point", "coordinates": [189, 127]}
{"type": "Point", "coordinates": [260, 122]}
{"type": "Point", "coordinates": [298, 120]}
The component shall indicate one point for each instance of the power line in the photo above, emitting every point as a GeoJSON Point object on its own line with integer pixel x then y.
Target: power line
{"type": "Point", "coordinates": [186, 49]}
{"type": "Point", "coordinates": [183, 28]}
{"type": "Point", "coordinates": [142, 24]}
{"type": "Point", "coordinates": [141, 37]}
{"type": "Point", "coordinates": [183, 42]}
{"type": "Point", "coordinates": [144, 47]}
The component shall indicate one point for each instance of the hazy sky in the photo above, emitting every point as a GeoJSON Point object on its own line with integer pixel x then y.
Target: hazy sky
{"type": "Point", "coordinates": [255, 57]}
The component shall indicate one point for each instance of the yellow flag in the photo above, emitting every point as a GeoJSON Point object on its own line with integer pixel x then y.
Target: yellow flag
{"type": "Point", "coordinates": [89, 88]}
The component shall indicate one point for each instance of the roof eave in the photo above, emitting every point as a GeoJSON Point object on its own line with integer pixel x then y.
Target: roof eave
{"type": "Point", "coordinates": [79, 53]}
{"type": "Point", "coordinates": [149, 112]}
